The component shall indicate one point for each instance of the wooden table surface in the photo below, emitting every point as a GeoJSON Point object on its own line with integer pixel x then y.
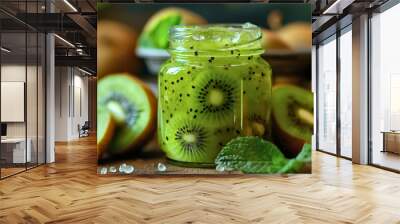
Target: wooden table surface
{"type": "Point", "coordinates": [145, 163]}
{"type": "Point", "coordinates": [70, 191]}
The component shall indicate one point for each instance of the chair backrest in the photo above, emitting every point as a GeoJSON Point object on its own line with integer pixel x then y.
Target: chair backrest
{"type": "Point", "coordinates": [86, 124]}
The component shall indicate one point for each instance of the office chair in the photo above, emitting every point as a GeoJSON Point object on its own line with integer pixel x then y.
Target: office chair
{"type": "Point", "coordinates": [84, 130]}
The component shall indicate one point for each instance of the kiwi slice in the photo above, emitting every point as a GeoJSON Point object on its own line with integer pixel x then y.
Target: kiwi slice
{"type": "Point", "coordinates": [193, 142]}
{"type": "Point", "coordinates": [292, 110]}
{"type": "Point", "coordinates": [132, 105]}
{"type": "Point", "coordinates": [216, 96]}
{"type": "Point", "coordinates": [105, 130]}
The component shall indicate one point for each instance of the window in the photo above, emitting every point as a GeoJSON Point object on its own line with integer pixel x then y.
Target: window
{"type": "Point", "coordinates": [346, 92]}
{"type": "Point", "coordinates": [385, 89]}
{"type": "Point", "coordinates": [327, 96]}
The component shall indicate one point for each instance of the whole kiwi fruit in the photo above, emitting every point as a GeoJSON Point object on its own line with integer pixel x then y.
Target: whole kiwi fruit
{"type": "Point", "coordinates": [271, 41]}
{"type": "Point", "coordinates": [297, 35]}
{"type": "Point", "coordinates": [116, 48]}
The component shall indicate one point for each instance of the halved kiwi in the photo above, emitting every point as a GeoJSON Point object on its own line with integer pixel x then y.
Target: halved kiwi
{"type": "Point", "coordinates": [292, 110]}
{"type": "Point", "coordinates": [155, 32]}
{"type": "Point", "coordinates": [193, 142]}
{"type": "Point", "coordinates": [105, 130]}
{"type": "Point", "coordinates": [216, 97]}
{"type": "Point", "coordinates": [132, 105]}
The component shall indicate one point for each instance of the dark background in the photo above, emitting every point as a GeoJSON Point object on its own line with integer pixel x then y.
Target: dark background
{"type": "Point", "coordinates": [137, 15]}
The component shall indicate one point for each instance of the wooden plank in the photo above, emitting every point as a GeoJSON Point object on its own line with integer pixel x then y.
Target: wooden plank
{"type": "Point", "coordinates": [70, 191]}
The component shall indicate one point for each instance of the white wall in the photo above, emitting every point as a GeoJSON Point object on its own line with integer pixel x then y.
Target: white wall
{"type": "Point", "coordinates": [62, 81]}
{"type": "Point", "coordinates": [71, 93]}
{"type": "Point", "coordinates": [82, 82]}
{"type": "Point", "coordinates": [13, 72]}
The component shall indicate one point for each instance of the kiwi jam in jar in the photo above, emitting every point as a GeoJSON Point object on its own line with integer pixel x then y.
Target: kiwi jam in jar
{"type": "Point", "coordinates": [214, 88]}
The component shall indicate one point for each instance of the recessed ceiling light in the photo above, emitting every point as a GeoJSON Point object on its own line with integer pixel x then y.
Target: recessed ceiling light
{"type": "Point", "coordinates": [64, 40]}
{"type": "Point", "coordinates": [5, 50]}
{"type": "Point", "coordinates": [337, 7]}
{"type": "Point", "coordinates": [70, 5]}
{"type": "Point", "coordinates": [84, 71]}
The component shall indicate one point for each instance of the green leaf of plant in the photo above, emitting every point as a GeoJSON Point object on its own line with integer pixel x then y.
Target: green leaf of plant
{"type": "Point", "coordinates": [251, 155]}
{"type": "Point", "coordinates": [305, 153]}
{"type": "Point", "coordinates": [256, 155]}
{"type": "Point", "coordinates": [299, 163]}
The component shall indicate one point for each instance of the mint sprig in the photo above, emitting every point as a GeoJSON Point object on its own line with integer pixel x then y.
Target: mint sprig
{"type": "Point", "coordinates": [256, 155]}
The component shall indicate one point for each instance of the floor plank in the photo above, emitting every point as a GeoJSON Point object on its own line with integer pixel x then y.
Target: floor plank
{"type": "Point", "coordinates": [69, 191]}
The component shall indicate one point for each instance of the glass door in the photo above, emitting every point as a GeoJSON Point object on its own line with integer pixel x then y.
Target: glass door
{"type": "Point", "coordinates": [327, 95]}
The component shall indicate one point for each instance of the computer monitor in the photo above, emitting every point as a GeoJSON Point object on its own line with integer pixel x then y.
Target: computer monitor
{"type": "Point", "coordinates": [3, 129]}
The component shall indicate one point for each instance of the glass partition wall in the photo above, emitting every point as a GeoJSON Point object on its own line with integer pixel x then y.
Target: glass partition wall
{"type": "Point", "coordinates": [385, 89]}
{"type": "Point", "coordinates": [13, 110]}
{"type": "Point", "coordinates": [334, 94]}
{"type": "Point", "coordinates": [22, 96]}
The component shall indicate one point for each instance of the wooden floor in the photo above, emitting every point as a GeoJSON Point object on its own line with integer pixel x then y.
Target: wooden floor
{"type": "Point", "coordinates": [10, 171]}
{"type": "Point", "coordinates": [69, 191]}
{"type": "Point", "coordinates": [387, 159]}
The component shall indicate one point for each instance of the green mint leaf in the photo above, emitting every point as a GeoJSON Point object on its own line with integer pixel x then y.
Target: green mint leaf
{"type": "Point", "coordinates": [300, 163]}
{"type": "Point", "coordinates": [251, 155]}
{"type": "Point", "coordinates": [256, 155]}
{"type": "Point", "coordinates": [305, 153]}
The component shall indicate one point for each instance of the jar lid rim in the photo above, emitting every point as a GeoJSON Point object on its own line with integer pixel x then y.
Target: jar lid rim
{"type": "Point", "coordinates": [217, 38]}
{"type": "Point", "coordinates": [230, 26]}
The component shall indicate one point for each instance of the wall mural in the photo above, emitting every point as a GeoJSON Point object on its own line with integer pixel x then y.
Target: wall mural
{"type": "Point", "coordinates": [204, 89]}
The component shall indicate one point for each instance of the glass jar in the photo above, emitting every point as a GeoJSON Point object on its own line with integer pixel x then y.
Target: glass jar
{"type": "Point", "coordinates": [214, 88]}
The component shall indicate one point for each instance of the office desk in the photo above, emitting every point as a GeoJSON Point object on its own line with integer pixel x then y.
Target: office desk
{"type": "Point", "coordinates": [15, 148]}
{"type": "Point", "coordinates": [391, 141]}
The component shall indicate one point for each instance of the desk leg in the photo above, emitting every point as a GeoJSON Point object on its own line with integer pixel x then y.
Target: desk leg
{"type": "Point", "coordinates": [384, 142]}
